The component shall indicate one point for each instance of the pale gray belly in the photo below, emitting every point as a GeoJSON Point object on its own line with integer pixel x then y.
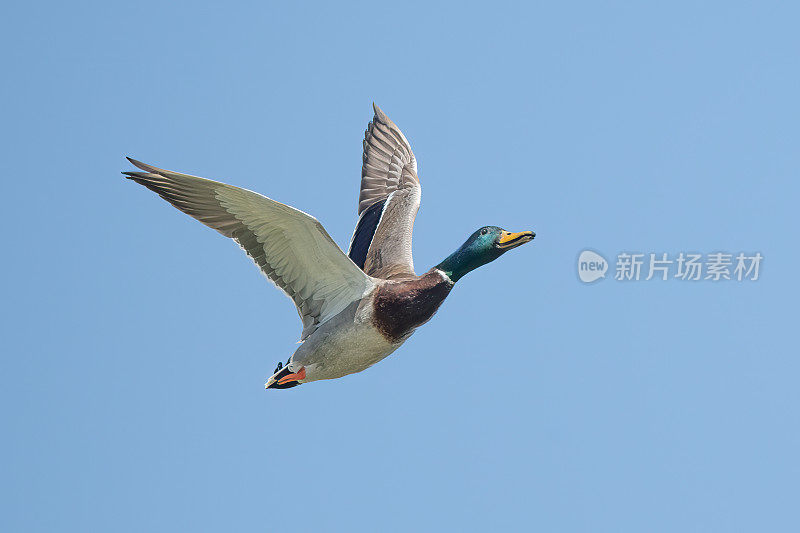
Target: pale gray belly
{"type": "Point", "coordinates": [344, 345]}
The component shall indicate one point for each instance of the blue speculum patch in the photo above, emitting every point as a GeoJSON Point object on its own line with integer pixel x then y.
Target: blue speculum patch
{"type": "Point", "coordinates": [365, 230]}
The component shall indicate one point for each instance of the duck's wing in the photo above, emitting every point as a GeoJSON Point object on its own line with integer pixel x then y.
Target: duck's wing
{"type": "Point", "coordinates": [291, 247]}
{"type": "Point", "coordinates": [388, 203]}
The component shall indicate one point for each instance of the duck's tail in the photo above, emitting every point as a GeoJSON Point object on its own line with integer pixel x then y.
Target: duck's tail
{"type": "Point", "coordinates": [285, 377]}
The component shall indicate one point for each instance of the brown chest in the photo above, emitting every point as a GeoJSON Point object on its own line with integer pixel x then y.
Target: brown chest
{"type": "Point", "coordinates": [401, 306]}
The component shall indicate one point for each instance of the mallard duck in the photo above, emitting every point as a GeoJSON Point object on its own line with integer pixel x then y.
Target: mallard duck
{"type": "Point", "coordinates": [357, 308]}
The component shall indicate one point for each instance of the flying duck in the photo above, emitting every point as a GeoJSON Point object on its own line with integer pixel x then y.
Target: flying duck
{"type": "Point", "coordinates": [357, 308]}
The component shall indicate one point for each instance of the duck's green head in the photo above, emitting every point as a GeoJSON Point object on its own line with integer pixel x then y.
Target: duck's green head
{"type": "Point", "coordinates": [483, 246]}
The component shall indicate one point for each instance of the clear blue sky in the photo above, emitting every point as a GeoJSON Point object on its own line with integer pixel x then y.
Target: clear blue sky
{"type": "Point", "coordinates": [136, 342]}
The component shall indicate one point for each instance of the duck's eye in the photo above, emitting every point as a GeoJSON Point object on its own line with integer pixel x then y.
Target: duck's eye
{"type": "Point", "coordinates": [484, 231]}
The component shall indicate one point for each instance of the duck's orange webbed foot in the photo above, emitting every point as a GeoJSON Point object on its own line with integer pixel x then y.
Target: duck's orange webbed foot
{"type": "Point", "coordinates": [284, 378]}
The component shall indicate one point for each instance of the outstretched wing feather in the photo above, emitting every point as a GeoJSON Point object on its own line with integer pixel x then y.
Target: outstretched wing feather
{"type": "Point", "coordinates": [290, 247]}
{"type": "Point", "coordinates": [382, 246]}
